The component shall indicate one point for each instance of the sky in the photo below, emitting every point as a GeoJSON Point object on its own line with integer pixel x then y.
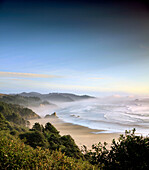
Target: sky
{"type": "Point", "coordinates": [83, 47]}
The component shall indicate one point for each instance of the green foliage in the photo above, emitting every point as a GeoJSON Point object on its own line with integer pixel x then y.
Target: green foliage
{"type": "Point", "coordinates": [18, 128]}
{"type": "Point", "coordinates": [17, 99]}
{"type": "Point", "coordinates": [44, 148]}
{"type": "Point", "coordinates": [38, 127]}
{"type": "Point", "coordinates": [65, 143]}
{"type": "Point", "coordinates": [129, 152]}
{"type": "Point", "coordinates": [50, 128]}
{"type": "Point", "coordinates": [55, 141]}
{"type": "Point", "coordinates": [14, 154]}
{"type": "Point", "coordinates": [14, 132]}
{"type": "Point", "coordinates": [16, 114]}
{"type": "Point", "coordinates": [24, 101]}
{"type": "Point", "coordinates": [70, 148]}
{"type": "Point", "coordinates": [34, 139]}
{"type": "Point", "coordinates": [4, 125]}
{"type": "Point", "coordinates": [47, 138]}
{"type": "Point", "coordinates": [14, 129]}
{"type": "Point", "coordinates": [98, 154]}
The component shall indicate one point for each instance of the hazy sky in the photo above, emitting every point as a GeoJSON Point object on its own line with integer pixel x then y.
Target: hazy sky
{"type": "Point", "coordinates": [70, 46]}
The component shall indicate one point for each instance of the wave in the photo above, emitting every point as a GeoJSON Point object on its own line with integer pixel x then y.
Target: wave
{"type": "Point", "coordinates": [116, 117]}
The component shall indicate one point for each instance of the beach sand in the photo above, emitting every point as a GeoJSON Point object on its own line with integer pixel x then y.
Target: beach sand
{"type": "Point", "coordinates": [82, 135]}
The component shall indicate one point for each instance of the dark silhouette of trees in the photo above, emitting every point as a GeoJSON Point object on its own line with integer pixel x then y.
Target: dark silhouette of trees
{"type": "Point", "coordinates": [129, 152]}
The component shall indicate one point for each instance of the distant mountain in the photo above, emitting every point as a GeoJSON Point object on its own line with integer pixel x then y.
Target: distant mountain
{"type": "Point", "coordinates": [57, 97]}
{"type": "Point", "coordinates": [26, 101]}
{"type": "Point", "coordinates": [31, 94]}
{"type": "Point", "coordinates": [77, 97]}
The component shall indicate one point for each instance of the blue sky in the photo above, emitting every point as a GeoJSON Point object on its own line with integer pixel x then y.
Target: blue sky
{"type": "Point", "coordinates": [74, 47]}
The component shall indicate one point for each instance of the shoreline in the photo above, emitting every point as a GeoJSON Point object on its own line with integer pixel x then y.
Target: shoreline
{"type": "Point", "coordinates": [81, 134]}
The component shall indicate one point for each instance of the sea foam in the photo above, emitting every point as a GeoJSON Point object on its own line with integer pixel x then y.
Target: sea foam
{"type": "Point", "coordinates": [111, 116]}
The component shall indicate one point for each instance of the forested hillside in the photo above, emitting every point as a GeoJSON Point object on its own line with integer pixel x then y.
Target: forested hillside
{"type": "Point", "coordinates": [57, 97]}
{"type": "Point", "coordinates": [16, 114]}
{"type": "Point", "coordinates": [36, 148]}
{"type": "Point", "coordinates": [24, 101]}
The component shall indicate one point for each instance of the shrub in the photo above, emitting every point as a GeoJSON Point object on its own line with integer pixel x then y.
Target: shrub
{"type": "Point", "coordinates": [38, 127]}
{"type": "Point", "coordinates": [14, 154]}
{"type": "Point", "coordinates": [4, 125]}
{"type": "Point", "coordinates": [34, 139]}
{"type": "Point", "coordinates": [14, 132]}
{"type": "Point", "coordinates": [129, 152]}
{"type": "Point", "coordinates": [70, 149]}
{"type": "Point", "coordinates": [50, 128]}
{"type": "Point", "coordinates": [54, 142]}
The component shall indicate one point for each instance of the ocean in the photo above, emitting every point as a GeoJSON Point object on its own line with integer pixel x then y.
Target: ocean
{"type": "Point", "coordinates": [108, 114]}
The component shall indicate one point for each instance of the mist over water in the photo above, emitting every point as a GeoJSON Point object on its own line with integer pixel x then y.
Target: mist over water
{"type": "Point", "coordinates": [112, 114]}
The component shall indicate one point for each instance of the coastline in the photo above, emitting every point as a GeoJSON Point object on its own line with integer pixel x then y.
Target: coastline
{"type": "Point", "coordinates": [81, 134]}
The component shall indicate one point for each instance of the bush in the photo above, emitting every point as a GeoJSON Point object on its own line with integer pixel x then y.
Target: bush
{"type": "Point", "coordinates": [130, 152]}
{"type": "Point", "coordinates": [4, 125]}
{"type": "Point", "coordinates": [14, 154]}
{"type": "Point", "coordinates": [34, 139]}
{"type": "Point", "coordinates": [38, 127]}
{"type": "Point", "coordinates": [70, 149]}
{"type": "Point", "coordinates": [14, 132]}
{"type": "Point", "coordinates": [54, 142]}
{"type": "Point", "coordinates": [50, 128]}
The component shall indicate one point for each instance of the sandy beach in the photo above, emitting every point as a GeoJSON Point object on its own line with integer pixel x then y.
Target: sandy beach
{"type": "Point", "coordinates": [82, 135]}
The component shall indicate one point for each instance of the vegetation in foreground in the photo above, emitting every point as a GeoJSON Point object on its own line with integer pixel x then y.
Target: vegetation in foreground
{"type": "Point", "coordinates": [44, 148]}
{"type": "Point", "coordinates": [129, 152]}
{"type": "Point", "coordinates": [14, 154]}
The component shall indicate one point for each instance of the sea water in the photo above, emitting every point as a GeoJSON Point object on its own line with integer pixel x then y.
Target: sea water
{"type": "Point", "coordinates": [112, 116]}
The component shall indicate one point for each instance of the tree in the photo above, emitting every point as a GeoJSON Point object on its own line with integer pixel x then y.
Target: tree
{"type": "Point", "coordinates": [49, 127]}
{"type": "Point", "coordinates": [4, 125]}
{"type": "Point", "coordinates": [129, 152]}
{"type": "Point", "coordinates": [34, 139]}
{"type": "Point", "coordinates": [37, 127]}
{"type": "Point", "coordinates": [70, 148]}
